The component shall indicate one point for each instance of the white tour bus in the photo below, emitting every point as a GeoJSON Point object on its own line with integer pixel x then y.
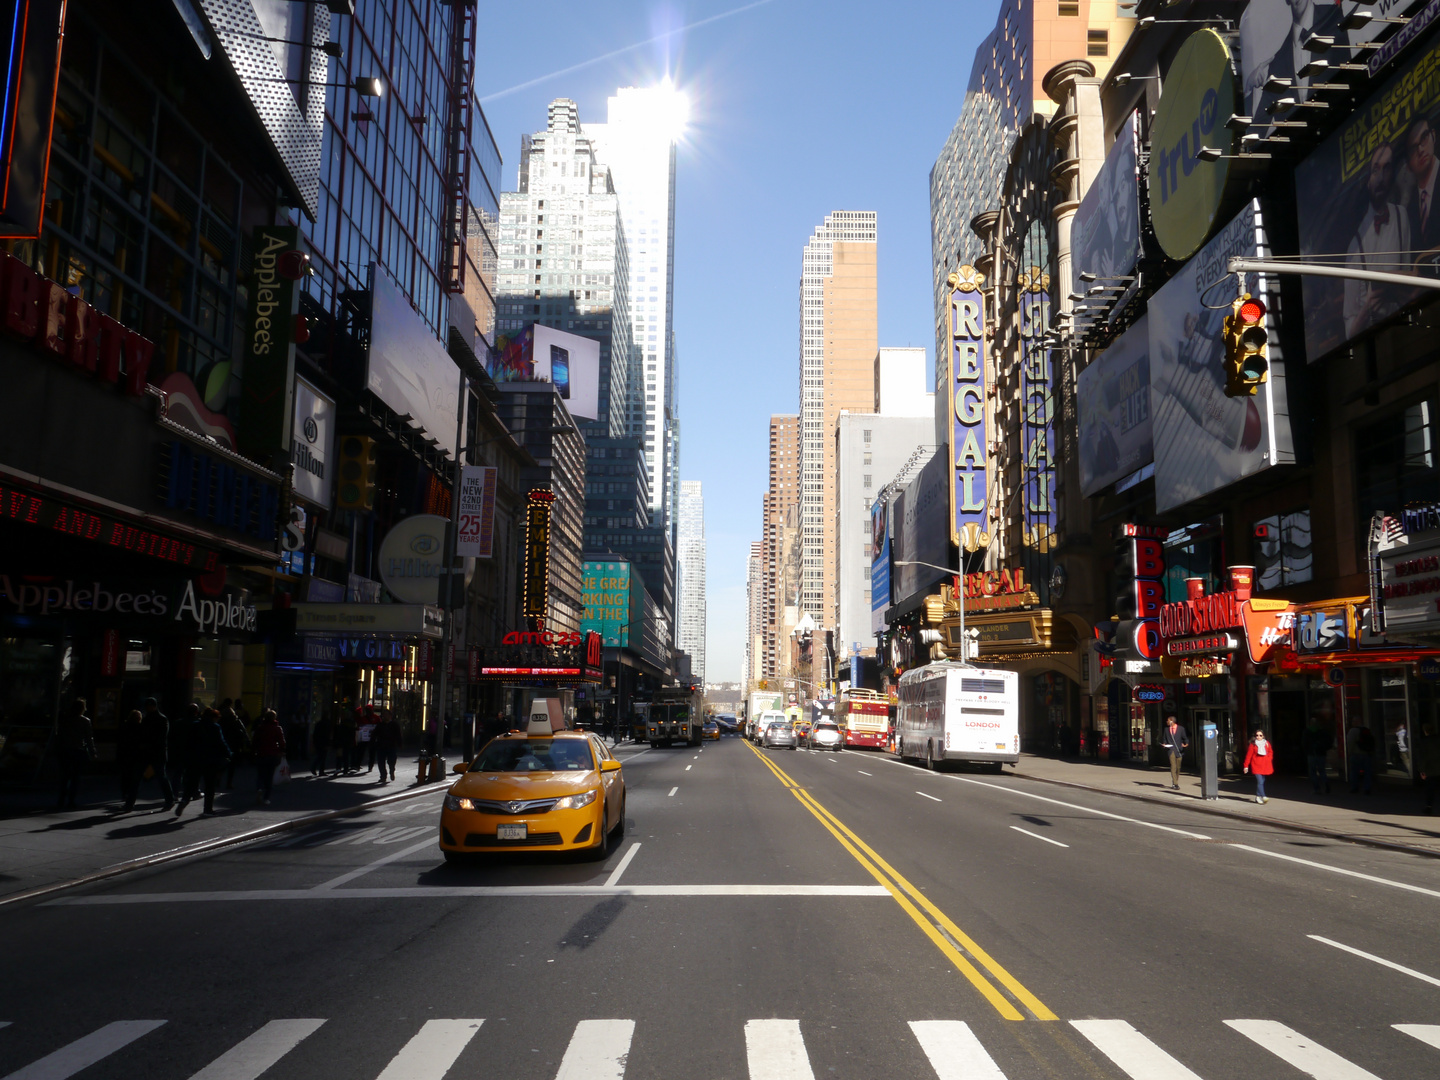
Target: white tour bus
{"type": "Point", "coordinates": [955, 712]}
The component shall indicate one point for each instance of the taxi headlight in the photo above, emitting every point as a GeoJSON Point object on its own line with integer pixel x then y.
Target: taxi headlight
{"type": "Point", "coordinates": [574, 802]}
{"type": "Point", "coordinates": [454, 802]}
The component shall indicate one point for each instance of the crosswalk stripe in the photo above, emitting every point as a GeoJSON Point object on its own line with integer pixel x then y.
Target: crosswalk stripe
{"type": "Point", "coordinates": [1136, 1055]}
{"type": "Point", "coordinates": [1290, 1046]}
{"type": "Point", "coordinates": [775, 1050]}
{"type": "Point", "coordinates": [597, 1051]}
{"type": "Point", "coordinates": [1426, 1033]}
{"type": "Point", "coordinates": [86, 1051]}
{"type": "Point", "coordinates": [429, 1055]}
{"type": "Point", "coordinates": [251, 1056]}
{"type": "Point", "coordinates": [954, 1051]}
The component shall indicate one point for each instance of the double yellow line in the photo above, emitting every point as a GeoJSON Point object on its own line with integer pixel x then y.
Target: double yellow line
{"type": "Point", "coordinates": [935, 924]}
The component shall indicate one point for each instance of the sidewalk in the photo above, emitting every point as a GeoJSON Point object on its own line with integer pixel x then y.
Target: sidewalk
{"type": "Point", "coordinates": [42, 846]}
{"type": "Point", "coordinates": [1394, 816]}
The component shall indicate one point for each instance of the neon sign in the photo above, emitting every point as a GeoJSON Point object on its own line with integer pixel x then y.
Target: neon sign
{"type": "Point", "coordinates": [968, 461]}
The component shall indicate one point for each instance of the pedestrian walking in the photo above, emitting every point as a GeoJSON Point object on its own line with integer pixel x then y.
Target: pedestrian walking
{"type": "Point", "coordinates": [156, 727]}
{"type": "Point", "coordinates": [1260, 762]}
{"type": "Point", "coordinates": [1175, 740]}
{"type": "Point", "coordinates": [1360, 751]}
{"type": "Point", "coordinates": [74, 746]}
{"type": "Point", "coordinates": [235, 738]}
{"type": "Point", "coordinates": [1427, 763]}
{"type": "Point", "coordinates": [130, 756]}
{"type": "Point", "coordinates": [1319, 738]}
{"type": "Point", "coordinates": [207, 753]}
{"type": "Point", "coordinates": [344, 743]}
{"type": "Point", "coordinates": [269, 751]}
{"type": "Point", "coordinates": [365, 723]}
{"type": "Point", "coordinates": [319, 744]}
{"type": "Point", "coordinates": [387, 744]}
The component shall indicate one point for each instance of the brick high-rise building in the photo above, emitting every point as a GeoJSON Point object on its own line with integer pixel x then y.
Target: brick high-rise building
{"type": "Point", "coordinates": [839, 338]}
{"type": "Point", "coordinates": [779, 548]}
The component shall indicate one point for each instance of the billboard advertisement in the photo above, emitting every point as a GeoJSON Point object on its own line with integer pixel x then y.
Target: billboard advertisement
{"type": "Point", "coordinates": [267, 388]}
{"type": "Point", "coordinates": [1105, 235]}
{"type": "Point", "coordinates": [475, 512]}
{"type": "Point", "coordinates": [879, 564]}
{"type": "Point", "coordinates": [543, 354]}
{"type": "Point", "coordinates": [969, 463]}
{"type": "Point", "coordinates": [1203, 439]}
{"type": "Point", "coordinates": [312, 443]}
{"type": "Point", "coordinates": [407, 368]}
{"type": "Point", "coordinates": [1112, 399]}
{"type": "Point", "coordinates": [606, 594]}
{"type": "Point", "coordinates": [1368, 191]}
{"type": "Point", "coordinates": [917, 527]}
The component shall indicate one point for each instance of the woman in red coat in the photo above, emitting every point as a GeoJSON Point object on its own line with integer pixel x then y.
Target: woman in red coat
{"type": "Point", "coordinates": [1260, 760]}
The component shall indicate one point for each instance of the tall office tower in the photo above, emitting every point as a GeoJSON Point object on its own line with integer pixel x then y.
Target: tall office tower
{"type": "Point", "coordinates": [1030, 37]}
{"type": "Point", "coordinates": [690, 573]}
{"type": "Point", "coordinates": [838, 343]}
{"type": "Point", "coordinates": [637, 143]}
{"type": "Point", "coordinates": [564, 260]}
{"type": "Point", "coordinates": [780, 547]}
{"type": "Point", "coordinates": [754, 597]}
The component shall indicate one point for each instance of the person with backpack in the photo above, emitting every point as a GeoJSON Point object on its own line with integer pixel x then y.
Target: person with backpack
{"type": "Point", "coordinates": [269, 752]}
{"type": "Point", "coordinates": [1360, 751]}
{"type": "Point", "coordinates": [206, 754]}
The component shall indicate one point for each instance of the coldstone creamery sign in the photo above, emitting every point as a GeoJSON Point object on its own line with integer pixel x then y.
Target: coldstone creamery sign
{"type": "Point", "coordinates": [1199, 97]}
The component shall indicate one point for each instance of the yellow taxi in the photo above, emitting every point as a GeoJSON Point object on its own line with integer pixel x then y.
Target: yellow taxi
{"type": "Point", "coordinates": [539, 790]}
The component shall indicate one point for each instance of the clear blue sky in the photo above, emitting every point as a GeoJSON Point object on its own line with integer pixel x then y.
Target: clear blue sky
{"type": "Point", "coordinates": [799, 107]}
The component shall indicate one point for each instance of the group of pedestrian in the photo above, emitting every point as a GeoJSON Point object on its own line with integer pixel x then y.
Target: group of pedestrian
{"type": "Point", "coordinates": [361, 739]}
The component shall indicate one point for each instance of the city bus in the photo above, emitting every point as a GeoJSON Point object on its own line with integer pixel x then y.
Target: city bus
{"type": "Point", "coordinates": [951, 711]}
{"type": "Point", "coordinates": [864, 719]}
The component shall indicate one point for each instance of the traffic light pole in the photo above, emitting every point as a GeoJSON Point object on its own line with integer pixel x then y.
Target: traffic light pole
{"type": "Point", "coordinates": [1241, 265]}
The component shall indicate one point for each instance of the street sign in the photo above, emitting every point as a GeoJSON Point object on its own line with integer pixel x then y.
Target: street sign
{"type": "Point", "coordinates": [475, 512]}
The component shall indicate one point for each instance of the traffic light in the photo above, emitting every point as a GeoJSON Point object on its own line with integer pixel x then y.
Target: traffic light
{"type": "Point", "coordinates": [357, 473]}
{"type": "Point", "coordinates": [1246, 339]}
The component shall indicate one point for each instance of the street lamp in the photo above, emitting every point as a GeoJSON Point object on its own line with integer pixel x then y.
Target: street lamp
{"type": "Point", "coordinates": [964, 641]}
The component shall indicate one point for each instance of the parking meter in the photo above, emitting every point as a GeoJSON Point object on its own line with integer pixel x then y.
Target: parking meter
{"type": "Point", "coordinates": [1208, 755]}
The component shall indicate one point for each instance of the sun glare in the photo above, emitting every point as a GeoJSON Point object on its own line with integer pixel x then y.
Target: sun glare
{"type": "Point", "coordinates": [671, 109]}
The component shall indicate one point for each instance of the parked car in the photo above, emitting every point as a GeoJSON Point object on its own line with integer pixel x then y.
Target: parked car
{"type": "Point", "coordinates": [825, 737]}
{"type": "Point", "coordinates": [779, 733]}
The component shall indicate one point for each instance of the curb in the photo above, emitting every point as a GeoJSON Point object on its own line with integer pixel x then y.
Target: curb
{"type": "Point", "coordinates": [205, 847]}
{"type": "Point", "coordinates": [1215, 811]}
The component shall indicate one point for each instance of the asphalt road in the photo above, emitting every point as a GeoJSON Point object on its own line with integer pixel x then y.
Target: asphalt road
{"type": "Point", "coordinates": [776, 915]}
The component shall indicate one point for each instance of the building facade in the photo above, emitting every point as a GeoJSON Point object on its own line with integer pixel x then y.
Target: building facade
{"type": "Point", "coordinates": [690, 574]}
{"type": "Point", "coordinates": [838, 343]}
{"type": "Point", "coordinates": [780, 521]}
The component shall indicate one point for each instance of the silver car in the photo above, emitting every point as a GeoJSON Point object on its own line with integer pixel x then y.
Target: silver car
{"type": "Point", "coordinates": [826, 737]}
{"type": "Point", "coordinates": [779, 733]}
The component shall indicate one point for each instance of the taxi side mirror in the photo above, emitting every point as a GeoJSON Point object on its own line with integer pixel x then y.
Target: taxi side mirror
{"type": "Point", "coordinates": [609, 765]}
{"type": "Point", "coordinates": [460, 766]}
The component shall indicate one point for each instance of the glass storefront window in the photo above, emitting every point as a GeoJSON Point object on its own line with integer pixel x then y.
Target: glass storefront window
{"type": "Point", "coordinates": [205, 678]}
{"type": "Point", "coordinates": [1388, 717]}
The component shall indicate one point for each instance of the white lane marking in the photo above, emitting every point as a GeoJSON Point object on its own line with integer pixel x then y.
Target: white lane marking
{"type": "Point", "coordinates": [379, 834]}
{"type": "Point", "coordinates": [394, 856]}
{"type": "Point", "coordinates": [930, 797]}
{"type": "Point", "coordinates": [1426, 1033]}
{"type": "Point", "coordinates": [695, 758]}
{"type": "Point", "coordinates": [1085, 809]}
{"type": "Point", "coordinates": [672, 791]}
{"type": "Point", "coordinates": [434, 1048]}
{"type": "Point", "coordinates": [775, 1050]}
{"type": "Point", "coordinates": [614, 879]}
{"type": "Point", "coordinates": [1290, 1046]}
{"type": "Point", "coordinates": [689, 767]}
{"type": "Point", "coordinates": [597, 1050]}
{"type": "Point", "coordinates": [86, 1051]}
{"type": "Point", "coordinates": [448, 892]}
{"type": "Point", "coordinates": [1377, 959]}
{"type": "Point", "coordinates": [1337, 870]}
{"type": "Point", "coordinates": [5, 1023]}
{"type": "Point", "coordinates": [954, 1051]}
{"type": "Point", "coordinates": [862, 772]}
{"type": "Point", "coordinates": [1135, 1055]}
{"type": "Point", "coordinates": [251, 1056]}
{"type": "Point", "coordinates": [1037, 836]}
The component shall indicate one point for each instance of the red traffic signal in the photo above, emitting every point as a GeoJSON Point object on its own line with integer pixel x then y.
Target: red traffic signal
{"type": "Point", "coordinates": [1251, 311]}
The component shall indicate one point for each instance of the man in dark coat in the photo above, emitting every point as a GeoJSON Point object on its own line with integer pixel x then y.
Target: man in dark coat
{"type": "Point", "coordinates": [206, 753]}
{"type": "Point", "coordinates": [156, 726]}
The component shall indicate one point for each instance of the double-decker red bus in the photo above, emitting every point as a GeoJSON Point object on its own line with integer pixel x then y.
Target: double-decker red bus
{"type": "Point", "coordinates": [864, 717]}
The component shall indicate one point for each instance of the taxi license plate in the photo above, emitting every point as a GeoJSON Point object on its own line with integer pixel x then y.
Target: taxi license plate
{"type": "Point", "coordinates": [518, 831]}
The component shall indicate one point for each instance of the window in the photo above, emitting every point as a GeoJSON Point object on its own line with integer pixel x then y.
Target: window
{"type": "Point", "coordinates": [1070, 7]}
{"type": "Point", "coordinates": [867, 480]}
{"type": "Point", "coordinates": [1395, 463]}
{"type": "Point", "coordinates": [867, 437]}
{"type": "Point", "coordinates": [867, 459]}
{"type": "Point", "coordinates": [1283, 554]}
{"type": "Point", "coordinates": [1097, 43]}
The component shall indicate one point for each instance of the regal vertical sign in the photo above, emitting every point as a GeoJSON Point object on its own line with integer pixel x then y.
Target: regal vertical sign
{"type": "Point", "coordinates": [1037, 422]}
{"type": "Point", "coordinates": [969, 486]}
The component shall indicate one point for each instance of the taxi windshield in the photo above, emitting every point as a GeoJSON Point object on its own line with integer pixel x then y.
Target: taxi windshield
{"type": "Point", "coordinates": [535, 755]}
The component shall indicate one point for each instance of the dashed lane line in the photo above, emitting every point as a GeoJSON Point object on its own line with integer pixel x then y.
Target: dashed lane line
{"type": "Point", "coordinates": [614, 879]}
{"type": "Point", "coordinates": [1376, 959]}
{"type": "Point", "coordinates": [932, 798]}
{"type": "Point", "coordinates": [1037, 836]}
